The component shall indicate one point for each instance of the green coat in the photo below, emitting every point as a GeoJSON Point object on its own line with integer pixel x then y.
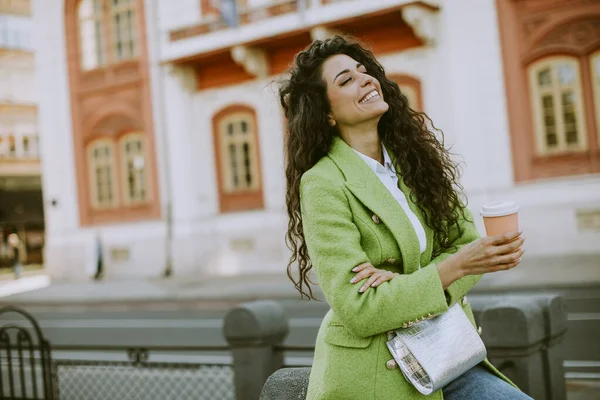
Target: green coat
{"type": "Point", "coordinates": [349, 217]}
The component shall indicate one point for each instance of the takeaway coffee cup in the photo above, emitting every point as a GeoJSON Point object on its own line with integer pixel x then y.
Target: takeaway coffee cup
{"type": "Point", "coordinates": [500, 217]}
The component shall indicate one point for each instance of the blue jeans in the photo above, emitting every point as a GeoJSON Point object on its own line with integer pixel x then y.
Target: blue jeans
{"type": "Point", "coordinates": [480, 384]}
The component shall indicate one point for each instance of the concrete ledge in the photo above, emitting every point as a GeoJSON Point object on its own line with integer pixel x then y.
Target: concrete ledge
{"type": "Point", "coordinates": [286, 383]}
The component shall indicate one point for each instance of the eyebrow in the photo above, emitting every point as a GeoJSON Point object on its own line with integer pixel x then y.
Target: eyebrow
{"type": "Point", "coordinates": [358, 65]}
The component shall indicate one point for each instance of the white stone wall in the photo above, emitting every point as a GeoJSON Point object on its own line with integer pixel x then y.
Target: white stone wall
{"type": "Point", "coordinates": [473, 92]}
{"type": "Point", "coordinates": [63, 241]}
{"type": "Point", "coordinates": [17, 86]}
{"type": "Point", "coordinates": [17, 73]}
{"type": "Point", "coordinates": [242, 242]}
{"type": "Point", "coordinates": [463, 92]}
{"type": "Point", "coordinates": [70, 249]}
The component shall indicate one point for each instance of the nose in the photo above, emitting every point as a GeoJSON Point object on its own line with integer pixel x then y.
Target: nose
{"type": "Point", "coordinates": [367, 80]}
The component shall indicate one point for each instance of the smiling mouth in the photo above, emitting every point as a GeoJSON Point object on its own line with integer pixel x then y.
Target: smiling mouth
{"type": "Point", "coordinates": [373, 94]}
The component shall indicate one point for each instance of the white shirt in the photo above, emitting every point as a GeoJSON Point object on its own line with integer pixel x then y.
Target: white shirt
{"type": "Point", "coordinates": [387, 175]}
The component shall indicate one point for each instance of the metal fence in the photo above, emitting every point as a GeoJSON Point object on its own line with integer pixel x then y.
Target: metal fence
{"type": "Point", "coordinates": [98, 380]}
{"type": "Point", "coordinates": [31, 370]}
{"type": "Point", "coordinates": [25, 360]}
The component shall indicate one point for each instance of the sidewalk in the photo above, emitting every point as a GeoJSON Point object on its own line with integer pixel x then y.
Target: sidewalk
{"type": "Point", "coordinates": [533, 273]}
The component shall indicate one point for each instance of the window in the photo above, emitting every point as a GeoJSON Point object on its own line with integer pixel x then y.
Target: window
{"type": "Point", "coordinates": [595, 72]}
{"type": "Point", "coordinates": [236, 145]}
{"type": "Point", "coordinates": [101, 159]}
{"type": "Point", "coordinates": [557, 105]}
{"type": "Point", "coordinates": [411, 88]}
{"type": "Point", "coordinates": [134, 169]}
{"type": "Point", "coordinates": [12, 146]}
{"type": "Point", "coordinates": [26, 147]}
{"type": "Point", "coordinates": [95, 39]}
{"type": "Point", "coordinates": [123, 29]}
{"type": "Point", "coordinates": [412, 96]}
{"type": "Point", "coordinates": [91, 34]}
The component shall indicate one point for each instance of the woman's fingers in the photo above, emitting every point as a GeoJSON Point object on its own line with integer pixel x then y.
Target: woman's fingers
{"type": "Point", "coordinates": [510, 257]}
{"type": "Point", "coordinates": [384, 278]}
{"type": "Point", "coordinates": [504, 267]}
{"type": "Point", "coordinates": [363, 271]}
{"type": "Point", "coordinates": [504, 238]}
{"type": "Point", "coordinates": [501, 263]}
{"type": "Point", "coordinates": [510, 247]}
{"type": "Point", "coordinates": [362, 266]}
{"type": "Point", "coordinates": [375, 276]}
{"type": "Point", "coordinates": [370, 281]}
{"type": "Point", "coordinates": [377, 279]}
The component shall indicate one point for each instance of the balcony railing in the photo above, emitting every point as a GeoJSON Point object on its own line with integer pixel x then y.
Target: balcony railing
{"type": "Point", "coordinates": [19, 147]}
{"type": "Point", "coordinates": [245, 15]}
{"type": "Point", "coordinates": [16, 7]}
{"type": "Point", "coordinates": [272, 9]}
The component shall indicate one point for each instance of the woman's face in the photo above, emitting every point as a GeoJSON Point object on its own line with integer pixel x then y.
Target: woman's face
{"type": "Point", "coordinates": [355, 96]}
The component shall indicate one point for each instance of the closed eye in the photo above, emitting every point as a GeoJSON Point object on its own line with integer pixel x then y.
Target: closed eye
{"type": "Point", "coordinates": [346, 81]}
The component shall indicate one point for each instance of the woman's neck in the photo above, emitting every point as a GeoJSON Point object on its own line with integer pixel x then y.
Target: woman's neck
{"type": "Point", "coordinates": [367, 143]}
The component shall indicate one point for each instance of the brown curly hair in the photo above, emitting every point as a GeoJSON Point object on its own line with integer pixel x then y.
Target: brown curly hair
{"type": "Point", "coordinates": [426, 166]}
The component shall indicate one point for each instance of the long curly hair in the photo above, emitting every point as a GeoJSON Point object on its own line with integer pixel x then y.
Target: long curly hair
{"type": "Point", "coordinates": [425, 164]}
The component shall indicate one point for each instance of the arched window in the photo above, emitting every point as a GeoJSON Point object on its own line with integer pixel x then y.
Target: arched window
{"type": "Point", "coordinates": [411, 88]}
{"type": "Point", "coordinates": [557, 105]}
{"type": "Point", "coordinates": [101, 161]}
{"type": "Point", "coordinates": [595, 72]}
{"type": "Point", "coordinates": [134, 169]}
{"type": "Point", "coordinates": [122, 15]}
{"type": "Point", "coordinates": [91, 34]}
{"type": "Point", "coordinates": [238, 164]}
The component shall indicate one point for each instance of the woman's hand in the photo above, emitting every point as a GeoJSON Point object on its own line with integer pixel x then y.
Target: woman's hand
{"type": "Point", "coordinates": [486, 255]}
{"type": "Point", "coordinates": [376, 276]}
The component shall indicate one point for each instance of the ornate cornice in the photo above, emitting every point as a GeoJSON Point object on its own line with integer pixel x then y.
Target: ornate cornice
{"type": "Point", "coordinates": [254, 60]}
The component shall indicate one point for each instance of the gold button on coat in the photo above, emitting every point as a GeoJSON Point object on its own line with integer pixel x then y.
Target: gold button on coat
{"type": "Point", "coordinates": [375, 219]}
{"type": "Point", "coordinates": [391, 364]}
{"type": "Point", "coordinates": [391, 260]}
{"type": "Point", "coordinates": [464, 301]}
{"type": "Point", "coordinates": [480, 330]}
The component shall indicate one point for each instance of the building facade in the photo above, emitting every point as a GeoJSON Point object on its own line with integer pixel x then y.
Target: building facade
{"type": "Point", "coordinates": [21, 207]}
{"type": "Point", "coordinates": [163, 137]}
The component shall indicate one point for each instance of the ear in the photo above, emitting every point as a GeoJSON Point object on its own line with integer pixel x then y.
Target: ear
{"type": "Point", "coordinates": [331, 120]}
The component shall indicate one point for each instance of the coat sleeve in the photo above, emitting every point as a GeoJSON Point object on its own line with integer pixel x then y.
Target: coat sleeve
{"type": "Point", "coordinates": [458, 239]}
{"type": "Point", "coordinates": [334, 246]}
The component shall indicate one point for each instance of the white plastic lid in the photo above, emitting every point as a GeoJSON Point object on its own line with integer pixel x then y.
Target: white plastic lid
{"type": "Point", "coordinates": [499, 209]}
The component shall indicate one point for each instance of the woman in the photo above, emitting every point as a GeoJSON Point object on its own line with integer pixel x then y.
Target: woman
{"type": "Point", "coordinates": [15, 245]}
{"type": "Point", "coordinates": [373, 206]}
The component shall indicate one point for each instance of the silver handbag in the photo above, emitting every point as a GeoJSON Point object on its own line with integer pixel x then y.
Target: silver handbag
{"type": "Point", "coordinates": [433, 352]}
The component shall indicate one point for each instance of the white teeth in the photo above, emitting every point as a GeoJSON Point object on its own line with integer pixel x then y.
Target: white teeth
{"type": "Point", "coordinates": [369, 96]}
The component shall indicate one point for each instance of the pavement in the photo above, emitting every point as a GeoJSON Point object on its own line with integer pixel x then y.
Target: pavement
{"type": "Point", "coordinates": [535, 273]}
{"type": "Point", "coordinates": [214, 294]}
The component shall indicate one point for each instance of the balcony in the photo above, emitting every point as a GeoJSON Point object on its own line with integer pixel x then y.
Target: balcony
{"type": "Point", "coordinates": [15, 33]}
{"type": "Point", "coordinates": [257, 24]}
{"type": "Point", "coordinates": [15, 7]}
{"type": "Point", "coordinates": [19, 147]}
{"type": "Point", "coordinates": [17, 80]}
{"type": "Point", "coordinates": [19, 155]}
{"type": "Point", "coordinates": [212, 21]}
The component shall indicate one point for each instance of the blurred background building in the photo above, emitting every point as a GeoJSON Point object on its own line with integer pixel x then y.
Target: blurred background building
{"type": "Point", "coordinates": [21, 207]}
{"type": "Point", "coordinates": [162, 137]}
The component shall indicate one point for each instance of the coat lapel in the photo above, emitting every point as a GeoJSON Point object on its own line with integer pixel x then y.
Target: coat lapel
{"type": "Point", "coordinates": [367, 188]}
{"type": "Point", "coordinates": [426, 256]}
